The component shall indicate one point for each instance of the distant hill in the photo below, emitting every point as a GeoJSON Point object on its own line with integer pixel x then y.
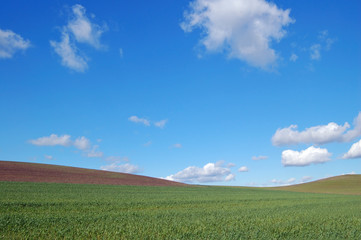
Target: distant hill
{"type": "Point", "coordinates": [344, 184]}
{"type": "Point", "coordinates": [35, 172]}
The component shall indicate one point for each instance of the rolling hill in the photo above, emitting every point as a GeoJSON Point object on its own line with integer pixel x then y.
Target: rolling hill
{"type": "Point", "coordinates": [35, 172]}
{"type": "Point", "coordinates": [344, 184]}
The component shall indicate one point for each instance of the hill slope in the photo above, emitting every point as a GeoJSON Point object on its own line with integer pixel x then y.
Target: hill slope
{"type": "Point", "coordinates": [35, 172]}
{"type": "Point", "coordinates": [344, 184]}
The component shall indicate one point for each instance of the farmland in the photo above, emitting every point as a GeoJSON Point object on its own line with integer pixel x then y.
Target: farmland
{"type": "Point", "coordinates": [83, 211]}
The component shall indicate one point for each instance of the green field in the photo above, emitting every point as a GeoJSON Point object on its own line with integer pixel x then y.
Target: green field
{"type": "Point", "coordinates": [74, 211]}
{"type": "Point", "coordinates": [344, 184]}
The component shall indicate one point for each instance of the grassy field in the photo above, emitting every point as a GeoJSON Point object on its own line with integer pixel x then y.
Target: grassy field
{"type": "Point", "coordinates": [345, 184]}
{"type": "Point", "coordinates": [74, 211]}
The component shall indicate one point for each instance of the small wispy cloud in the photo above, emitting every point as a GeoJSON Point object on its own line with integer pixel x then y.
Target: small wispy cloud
{"type": "Point", "coordinates": [243, 169]}
{"type": "Point", "coordinates": [261, 157]}
{"type": "Point", "coordinates": [177, 145]}
{"type": "Point", "coordinates": [10, 43]}
{"type": "Point", "coordinates": [315, 51]}
{"type": "Point", "coordinates": [136, 119]}
{"type": "Point", "coordinates": [293, 57]}
{"type": "Point", "coordinates": [53, 140]}
{"type": "Point", "coordinates": [324, 44]}
{"type": "Point", "coordinates": [161, 123]}
{"type": "Point", "coordinates": [123, 168]}
{"type": "Point", "coordinates": [49, 157]}
{"type": "Point", "coordinates": [81, 143]}
{"type": "Point", "coordinates": [80, 29]}
{"type": "Point", "coordinates": [94, 152]}
{"type": "Point", "coordinates": [306, 179]}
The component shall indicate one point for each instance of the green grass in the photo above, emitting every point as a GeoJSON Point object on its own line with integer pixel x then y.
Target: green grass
{"type": "Point", "coordinates": [74, 211]}
{"type": "Point", "coordinates": [345, 184]}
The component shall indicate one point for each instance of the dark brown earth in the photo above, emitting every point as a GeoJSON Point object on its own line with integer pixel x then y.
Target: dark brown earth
{"type": "Point", "coordinates": [35, 172]}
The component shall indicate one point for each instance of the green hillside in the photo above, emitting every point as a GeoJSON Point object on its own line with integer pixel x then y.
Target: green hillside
{"type": "Point", "coordinates": [345, 184]}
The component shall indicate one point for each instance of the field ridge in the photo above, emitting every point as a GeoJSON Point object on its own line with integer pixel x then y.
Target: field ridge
{"type": "Point", "coordinates": [38, 172]}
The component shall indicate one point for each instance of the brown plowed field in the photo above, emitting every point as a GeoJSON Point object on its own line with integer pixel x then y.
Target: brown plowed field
{"type": "Point", "coordinates": [35, 172]}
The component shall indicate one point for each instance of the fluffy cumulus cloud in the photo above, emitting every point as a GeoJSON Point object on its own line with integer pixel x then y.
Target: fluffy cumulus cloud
{"type": "Point", "coordinates": [10, 43]}
{"type": "Point", "coordinates": [354, 152]}
{"type": "Point", "coordinates": [256, 158]}
{"type": "Point", "coordinates": [211, 172]}
{"type": "Point", "coordinates": [124, 168]}
{"type": "Point", "coordinates": [242, 28]}
{"type": "Point", "coordinates": [311, 155]}
{"type": "Point", "coordinates": [136, 119]}
{"type": "Point", "coordinates": [322, 134]}
{"type": "Point", "coordinates": [53, 140]}
{"type": "Point", "coordinates": [80, 29]}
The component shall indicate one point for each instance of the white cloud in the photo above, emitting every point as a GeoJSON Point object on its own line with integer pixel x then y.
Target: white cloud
{"type": "Point", "coordinates": [124, 168]}
{"type": "Point", "coordinates": [323, 37]}
{"type": "Point", "coordinates": [121, 53]}
{"type": "Point", "coordinates": [322, 134]}
{"type": "Point", "coordinates": [94, 153]}
{"type": "Point", "coordinates": [177, 145]}
{"type": "Point", "coordinates": [282, 182]}
{"type": "Point", "coordinates": [147, 144]}
{"type": "Point", "coordinates": [242, 28]}
{"type": "Point", "coordinates": [78, 30]}
{"type": "Point", "coordinates": [355, 132]}
{"type": "Point", "coordinates": [306, 179]}
{"type": "Point", "coordinates": [293, 57]}
{"type": "Point", "coordinates": [306, 157]}
{"type": "Point", "coordinates": [82, 143]}
{"type": "Point", "coordinates": [10, 43]}
{"type": "Point", "coordinates": [354, 152]}
{"type": "Point", "coordinates": [243, 169]}
{"type": "Point", "coordinates": [324, 43]}
{"type": "Point", "coordinates": [211, 172]}
{"type": "Point", "coordinates": [83, 29]}
{"type": "Point", "coordinates": [230, 177]}
{"type": "Point", "coordinates": [230, 165]}
{"type": "Point", "coordinates": [52, 140]}
{"type": "Point", "coordinates": [161, 124]}
{"type": "Point", "coordinates": [315, 51]}
{"type": "Point", "coordinates": [256, 158]}
{"type": "Point", "coordinates": [291, 180]}
{"type": "Point", "coordinates": [69, 53]}
{"type": "Point", "coordinates": [136, 119]}
{"type": "Point", "coordinates": [48, 157]}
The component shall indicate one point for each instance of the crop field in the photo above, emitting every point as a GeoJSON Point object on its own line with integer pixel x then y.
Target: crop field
{"type": "Point", "coordinates": [76, 211]}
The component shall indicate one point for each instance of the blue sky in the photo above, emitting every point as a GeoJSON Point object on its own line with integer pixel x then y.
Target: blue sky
{"type": "Point", "coordinates": [202, 91]}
